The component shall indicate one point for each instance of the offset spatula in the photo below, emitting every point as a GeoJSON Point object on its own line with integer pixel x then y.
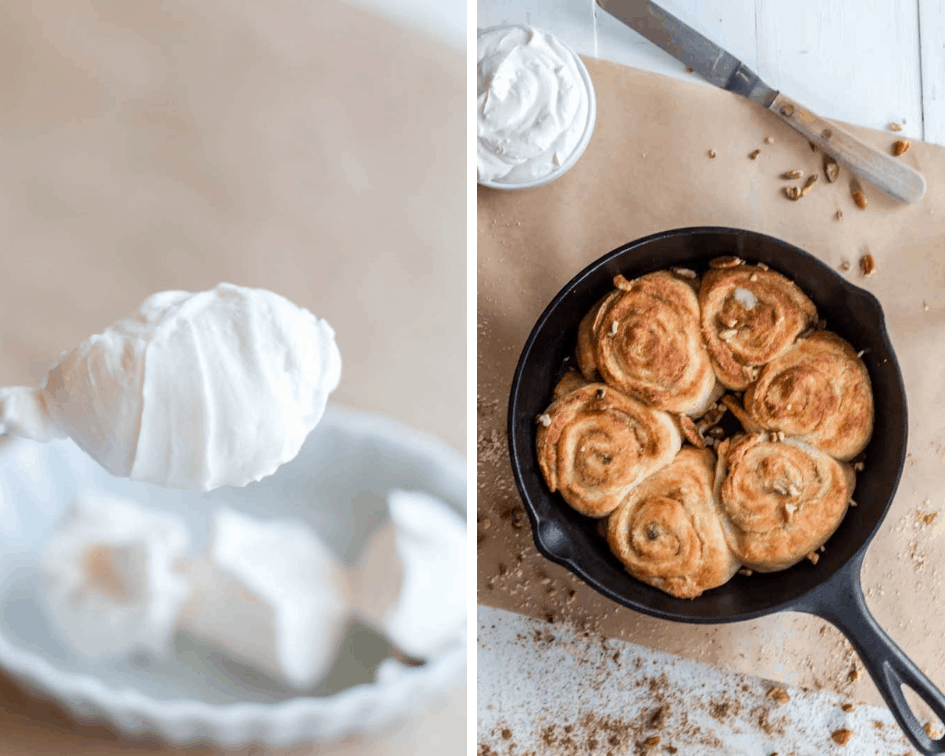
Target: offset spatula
{"type": "Point", "coordinates": [717, 67]}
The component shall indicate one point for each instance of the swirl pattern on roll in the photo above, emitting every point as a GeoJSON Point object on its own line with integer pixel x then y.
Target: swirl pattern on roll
{"type": "Point", "coordinates": [667, 531]}
{"type": "Point", "coordinates": [645, 340]}
{"type": "Point", "coordinates": [596, 443]}
{"type": "Point", "coordinates": [818, 392]}
{"type": "Point", "coordinates": [750, 316]}
{"type": "Point", "coordinates": [779, 500]}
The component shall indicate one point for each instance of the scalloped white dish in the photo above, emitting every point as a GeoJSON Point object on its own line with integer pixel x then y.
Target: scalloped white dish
{"type": "Point", "coordinates": [338, 484]}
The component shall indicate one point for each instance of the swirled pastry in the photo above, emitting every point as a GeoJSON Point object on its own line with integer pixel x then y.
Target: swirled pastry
{"type": "Point", "coordinates": [779, 500]}
{"type": "Point", "coordinates": [750, 316]}
{"type": "Point", "coordinates": [645, 340]}
{"type": "Point", "coordinates": [595, 443]}
{"type": "Point", "coordinates": [818, 392]}
{"type": "Point", "coordinates": [667, 532]}
{"type": "Point", "coordinates": [570, 381]}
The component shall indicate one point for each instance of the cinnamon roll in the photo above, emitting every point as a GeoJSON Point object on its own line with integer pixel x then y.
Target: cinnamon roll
{"type": "Point", "coordinates": [779, 500]}
{"type": "Point", "coordinates": [818, 392]}
{"type": "Point", "coordinates": [595, 443]}
{"type": "Point", "coordinates": [750, 316]}
{"type": "Point", "coordinates": [586, 339]}
{"type": "Point", "coordinates": [570, 381]}
{"type": "Point", "coordinates": [666, 531]}
{"type": "Point", "coordinates": [645, 340]}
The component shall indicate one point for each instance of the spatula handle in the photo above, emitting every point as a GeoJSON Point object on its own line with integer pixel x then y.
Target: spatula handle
{"type": "Point", "coordinates": [885, 172]}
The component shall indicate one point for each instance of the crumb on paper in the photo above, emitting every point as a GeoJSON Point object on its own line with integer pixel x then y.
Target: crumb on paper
{"type": "Point", "coordinates": [895, 127]}
{"type": "Point", "coordinates": [932, 731]}
{"type": "Point", "coordinates": [769, 140]}
{"type": "Point", "coordinates": [711, 153]}
{"type": "Point", "coordinates": [839, 216]}
{"type": "Point", "coordinates": [845, 265]}
{"type": "Point", "coordinates": [867, 265]}
{"type": "Point", "coordinates": [901, 147]}
{"type": "Point", "coordinates": [791, 175]}
{"type": "Point", "coordinates": [841, 736]}
{"type": "Point", "coordinates": [792, 193]}
{"type": "Point", "coordinates": [778, 694]}
{"type": "Point", "coordinates": [848, 707]}
{"type": "Point", "coordinates": [755, 153]}
{"type": "Point", "coordinates": [689, 69]}
{"type": "Point", "coordinates": [859, 198]}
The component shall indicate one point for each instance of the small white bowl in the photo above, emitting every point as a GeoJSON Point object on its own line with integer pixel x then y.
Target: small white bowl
{"type": "Point", "coordinates": [338, 484]}
{"type": "Point", "coordinates": [585, 137]}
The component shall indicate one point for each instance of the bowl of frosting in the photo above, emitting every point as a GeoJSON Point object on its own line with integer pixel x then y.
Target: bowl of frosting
{"type": "Point", "coordinates": [535, 107]}
{"type": "Point", "coordinates": [183, 553]}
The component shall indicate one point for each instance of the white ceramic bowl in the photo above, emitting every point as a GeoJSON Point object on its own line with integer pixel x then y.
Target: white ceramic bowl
{"type": "Point", "coordinates": [585, 137]}
{"type": "Point", "coordinates": [338, 484]}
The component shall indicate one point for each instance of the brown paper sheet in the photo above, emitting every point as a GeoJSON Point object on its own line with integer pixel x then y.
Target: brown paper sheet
{"type": "Point", "coordinates": [309, 148]}
{"type": "Point", "coordinates": [647, 169]}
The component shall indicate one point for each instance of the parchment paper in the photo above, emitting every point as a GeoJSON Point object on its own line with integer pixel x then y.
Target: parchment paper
{"type": "Point", "coordinates": [647, 169]}
{"type": "Point", "coordinates": [308, 148]}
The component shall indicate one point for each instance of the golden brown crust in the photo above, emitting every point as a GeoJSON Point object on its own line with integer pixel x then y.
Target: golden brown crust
{"type": "Point", "coordinates": [586, 352]}
{"type": "Point", "coordinates": [779, 500]}
{"type": "Point", "coordinates": [750, 316]}
{"type": "Point", "coordinates": [818, 392]}
{"type": "Point", "coordinates": [570, 381]}
{"type": "Point", "coordinates": [667, 530]}
{"type": "Point", "coordinates": [596, 443]}
{"type": "Point", "coordinates": [646, 341]}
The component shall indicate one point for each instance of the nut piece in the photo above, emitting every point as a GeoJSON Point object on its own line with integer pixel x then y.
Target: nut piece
{"type": "Point", "coordinates": [684, 272]}
{"type": "Point", "coordinates": [792, 192]}
{"type": "Point", "coordinates": [778, 693]}
{"type": "Point", "coordinates": [842, 736]}
{"type": "Point", "coordinates": [811, 180]}
{"type": "Point", "coordinates": [867, 265]}
{"type": "Point", "coordinates": [895, 127]}
{"type": "Point", "coordinates": [711, 153]}
{"type": "Point", "coordinates": [901, 146]}
{"type": "Point", "coordinates": [746, 572]}
{"type": "Point", "coordinates": [769, 140]}
{"type": "Point", "coordinates": [728, 334]}
{"type": "Point", "coordinates": [814, 557]}
{"type": "Point", "coordinates": [545, 419]}
{"type": "Point", "coordinates": [831, 169]}
{"type": "Point", "coordinates": [859, 198]}
{"type": "Point", "coordinates": [790, 175]}
{"type": "Point", "coordinates": [721, 263]}
{"type": "Point", "coordinates": [754, 154]}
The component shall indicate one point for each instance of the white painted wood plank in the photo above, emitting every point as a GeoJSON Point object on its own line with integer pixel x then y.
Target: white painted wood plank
{"type": "Point", "coordinates": [845, 60]}
{"type": "Point", "coordinates": [571, 20]}
{"type": "Point", "coordinates": [932, 44]}
{"type": "Point", "coordinates": [732, 27]}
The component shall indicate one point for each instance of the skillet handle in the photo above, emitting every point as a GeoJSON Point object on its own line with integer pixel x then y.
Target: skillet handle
{"type": "Point", "coordinates": [844, 605]}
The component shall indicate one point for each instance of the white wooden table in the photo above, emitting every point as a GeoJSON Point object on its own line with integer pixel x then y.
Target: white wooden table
{"type": "Point", "coordinates": [866, 63]}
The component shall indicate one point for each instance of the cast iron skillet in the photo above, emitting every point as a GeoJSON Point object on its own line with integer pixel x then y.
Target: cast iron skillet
{"type": "Point", "coordinates": [831, 589]}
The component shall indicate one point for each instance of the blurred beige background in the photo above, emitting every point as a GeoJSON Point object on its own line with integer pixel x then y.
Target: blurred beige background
{"type": "Point", "coordinates": [313, 149]}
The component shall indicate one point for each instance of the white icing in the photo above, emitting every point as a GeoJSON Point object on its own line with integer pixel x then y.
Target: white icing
{"type": "Point", "coordinates": [194, 391]}
{"type": "Point", "coordinates": [745, 298]}
{"type": "Point", "coordinates": [426, 613]}
{"type": "Point", "coordinates": [112, 577]}
{"type": "Point", "coordinates": [272, 595]}
{"type": "Point", "coordinates": [532, 104]}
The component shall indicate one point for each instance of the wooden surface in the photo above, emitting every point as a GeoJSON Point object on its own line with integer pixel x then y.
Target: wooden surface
{"type": "Point", "coordinates": [868, 67]}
